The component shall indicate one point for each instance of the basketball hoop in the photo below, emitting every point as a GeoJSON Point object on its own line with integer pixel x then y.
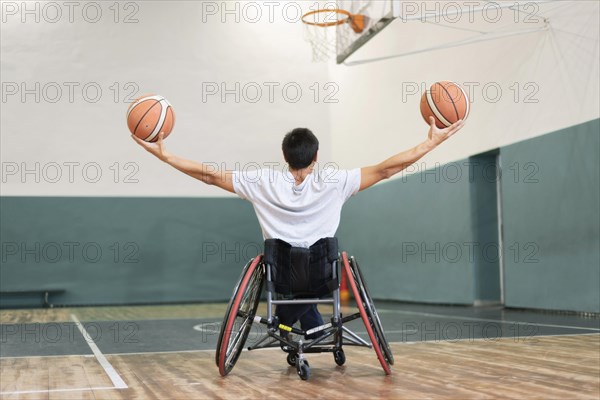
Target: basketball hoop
{"type": "Point", "coordinates": [323, 40]}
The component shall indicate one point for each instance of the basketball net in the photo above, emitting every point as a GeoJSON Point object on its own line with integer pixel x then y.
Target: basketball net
{"type": "Point", "coordinates": [322, 41]}
{"type": "Point", "coordinates": [320, 29]}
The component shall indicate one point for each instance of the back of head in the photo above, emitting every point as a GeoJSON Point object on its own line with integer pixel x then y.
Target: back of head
{"type": "Point", "coordinates": [300, 148]}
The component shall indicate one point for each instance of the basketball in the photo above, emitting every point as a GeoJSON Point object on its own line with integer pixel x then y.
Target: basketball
{"type": "Point", "coordinates": [149, 115]}
{"type": "Point", "coordinates": [447, 102]}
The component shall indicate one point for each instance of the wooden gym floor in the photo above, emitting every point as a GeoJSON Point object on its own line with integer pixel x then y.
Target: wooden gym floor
{"type": "Point", "coordinates": [167, 352]}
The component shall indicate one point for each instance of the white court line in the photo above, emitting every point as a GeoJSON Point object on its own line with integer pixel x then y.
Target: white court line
{"type": "Point", "coordinates": [389, 332]}
{"type": "Point", "coordinates": [507, 338]}
{"type": "Point", "coordinates": [140, 353]}
{"type": "Point", "coordinates": [497, 339]}
{"type": "Point", "coordinates": [48, 356]}
{"type": "Point", "coordinates": [500, 321]}
{"type": "Point", "coordinates": [108, 368]}
{"type": "Point", "coordinates": [273, 348]}
{"type": "Point", "coordinates": [87, 389]}
{"type": "Point", "coordinates": [109, 354]}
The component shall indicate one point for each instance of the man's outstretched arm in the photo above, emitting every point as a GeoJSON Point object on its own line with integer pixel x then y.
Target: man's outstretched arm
{"type": "Point", "coordinates": [202, 172]}
{"type": "Point", "coordinates": [390, 167]}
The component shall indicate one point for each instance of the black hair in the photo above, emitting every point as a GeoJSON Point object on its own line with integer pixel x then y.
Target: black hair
{"type": "Point", "coordinates": [300, 148]}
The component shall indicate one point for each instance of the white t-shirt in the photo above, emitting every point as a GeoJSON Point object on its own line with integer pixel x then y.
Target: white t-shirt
{"type": "Point", "coordinates": [298, 214]}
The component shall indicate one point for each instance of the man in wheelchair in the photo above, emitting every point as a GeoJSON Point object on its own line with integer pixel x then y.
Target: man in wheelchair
{"type": "Point", "coordinates": [299, 212]}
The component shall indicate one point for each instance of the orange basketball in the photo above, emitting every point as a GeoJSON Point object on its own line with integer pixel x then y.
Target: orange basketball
{"type": "Point", "coordinates": [149, 115]}
{"type": "Point", "coordinates": [447, 102]}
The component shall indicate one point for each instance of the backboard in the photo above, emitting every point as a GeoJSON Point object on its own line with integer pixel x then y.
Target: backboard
{"type": "Point", "coordinates": [379, 13]}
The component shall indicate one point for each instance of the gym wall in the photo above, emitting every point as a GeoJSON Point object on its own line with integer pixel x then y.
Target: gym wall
{"type": "Point", "coordinates": [236, 87]}
{"type": "Point", "coordinates": [84, 209]}
{"type": "Point", "coordinates": [429, 237]}
{"type": "Point", "coordinates": [125, 250]}
{"type": "Point", "coordinates": [551, 209]}
{"type": "Point", "coordinates": [425, 237]}
{"type": "Point", "coordinates": [520, 87]}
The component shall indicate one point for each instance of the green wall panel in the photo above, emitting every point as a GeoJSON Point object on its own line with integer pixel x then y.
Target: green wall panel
{"type": "Point", "coordinates": [168, 249]}
{"type": "Point", "coordinates": [409, 236]}
{"type": "Point", "coordinates": [550, 195]}
{"type": "Point", "coordinates": [484, 213]}
{"type": "Point", "coordinates": [418, 238]}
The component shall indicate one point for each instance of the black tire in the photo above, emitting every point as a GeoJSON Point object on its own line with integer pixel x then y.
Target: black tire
{"type": "Point", "coordinates": [339, 357]}
{"type": "Point", "coordinates": [371, 311]}
{"type": "Point", "coordinates": [303, 369]}
{"type": "Point", "coordinates": [240, 315]}
{"type": "Point", "coordinates": [228, 311]}
{"type": "Point", "coordinates": [292, 358]}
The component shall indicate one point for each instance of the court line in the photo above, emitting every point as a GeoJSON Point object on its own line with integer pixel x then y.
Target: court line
{"type": "Point", "coordinates": [496, 339]}
{"type": "Point", "coordinates": [48, 356]}
{"type": "Point", "coordinates": [212, 350]}
{"type": "Point", "coordinates": [403, 343]}
{"type": "Point", "coordinates": [87, 389]}
{"type": "Point", "coordinates": [108, 368]}
{"type": "Point", "coordinates": [500, 321]}
{"type": "Point", "coordinates": [276, 348]}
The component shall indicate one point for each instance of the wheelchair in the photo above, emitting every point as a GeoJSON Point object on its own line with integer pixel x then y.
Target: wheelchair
{"type": "Point", "coordinates": [293, 276]}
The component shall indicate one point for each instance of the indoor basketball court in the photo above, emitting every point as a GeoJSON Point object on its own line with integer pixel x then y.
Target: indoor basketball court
{"type": "Point", "coordinates": [386, 199]}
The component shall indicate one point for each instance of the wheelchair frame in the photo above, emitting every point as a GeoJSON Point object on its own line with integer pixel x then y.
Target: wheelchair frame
{"type": "Point", "coordinates": [244, 303]}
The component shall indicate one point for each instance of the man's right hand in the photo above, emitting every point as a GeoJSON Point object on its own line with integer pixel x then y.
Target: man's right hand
{"type": "Point", "coordinates": [437, 135]}
{"type": "Point", "coordinates": [157, 148]}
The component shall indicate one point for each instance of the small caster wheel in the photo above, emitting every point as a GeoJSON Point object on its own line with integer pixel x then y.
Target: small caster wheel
{"type": "Point", "coordinates": [339, 357]}
{"type": "Point", "coordinates": [292, 358]}
{"type": "Point", "coordinates": [303, 370]}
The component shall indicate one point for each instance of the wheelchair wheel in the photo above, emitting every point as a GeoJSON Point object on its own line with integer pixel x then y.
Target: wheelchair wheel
{"type": "Point", "coordinates": [292, 358]}
{"type": "Point", "coordinates": [303, 369]}
{"type": "Point", "coordinates": [368, 315]}
{"type": "Point", "coordinates": [228, 312]}
{"type": "Point", "coordinates": [339, 357]}
{"type": "Point", "coordinates": [239, 316]}
{"type": "Point", "coordinates": [376, 321]}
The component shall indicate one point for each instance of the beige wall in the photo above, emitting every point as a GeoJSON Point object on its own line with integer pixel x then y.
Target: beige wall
{"type": "Point", "coordinates": [556, 72]}
{"type": "Point", "coordinates": [181, 48]}
{"type": "Point", "coordinates": [169, 51]}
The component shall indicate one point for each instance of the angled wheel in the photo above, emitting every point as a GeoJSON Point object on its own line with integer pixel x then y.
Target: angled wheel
{"type": "Point", "coordinates": [368, 314]}
{"type": "Point", "coordinates": [229, 306]}
{"type": "Point", "coordinates": [339, 357]}
{"type": "Point", "coordinates": [292, 358]}
{"type": "Point", "coordinates": [303, 369]}
{"type": "Point", "coordinates": [239, 316]}
{"type": "Point", "coordinates": [377, 326]}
